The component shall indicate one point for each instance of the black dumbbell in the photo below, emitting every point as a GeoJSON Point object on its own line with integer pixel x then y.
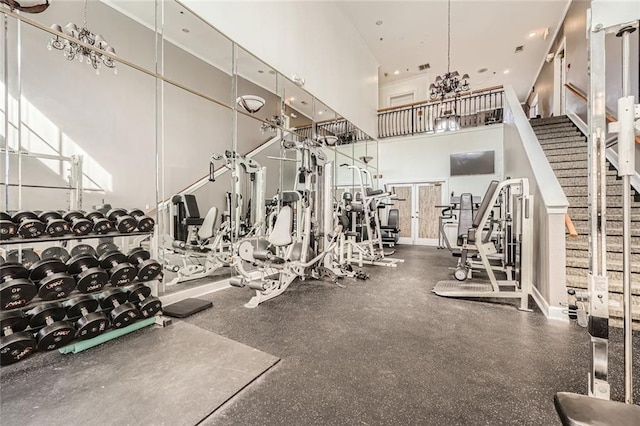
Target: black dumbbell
{"type": "Point", "coordinates": [83, 249]}
{"type": "Point", "coordinates": [29, 226]}
{"type": "Point", "coordinates": [56, 333]}
{"type": "Point", "coordinates": [1, 260]}
{"type": "Point", "coordinates": [59, 253]}
{"type": "Point", "coordinates": [8, 229]}
{"type": "Point", "coordinates": [25, 256]}
{"type": "Point", "coordinates": [15, 344]}
{"type": "Point", "coordinates": [101, 225]}
{"type": "Point", "coordinates": [54, 281]}
{"type": "Point", "coordinates": [89, 277]}
{"type": "Point", "coordinates": [56, 226]}
{"type": "Point", "coordinates": [148, 305]}
{"type": "Point", "coordinates": [123, 312]}
{"type": "Point", "coordinates": [16, 290]}
{"type": "Point", "coordinates": [148, 269]}
{"type": "Point", "coordinates": [145, 223]}
{"type": "Point", "coordinates": [122, 221]}
{"type": "Point", "coordinates": [121, 272]}
{"type": "Point", "coordinates": [80, 225]}
{"type": "Point", "coordinates": [90, 323]}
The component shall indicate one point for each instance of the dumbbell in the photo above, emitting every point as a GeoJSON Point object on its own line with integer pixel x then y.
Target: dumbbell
{"type": "Point", "coordinates": [8, 229]}
{"type": "Point", "coordinates": [59, 253]}
{"type": "Point", "coordinates": [15, 344]}
{"type": "Point", "coordinates": [145, 223]}
{"type": "Point", "coordinates": [148, 269]}
{"type": "Point", "coordinates": [15, 288]}
{"type": "Point", "coordinates": [54, 281]}
{"type": "Point", "coordinates": [56, 333]}
{"type": "Point", "coordinates": [90, 323]}
{"type": "Point", "coordinates": [80, 225]}
{"type": "Point", "coordinates": [27, 257]}
{"type": "Point", "coordinates": [148, 305]}
{"type": "Point", "coordinates": [88, 276]}
{"type": "Point", "coordinates": [123, 222]}
{"type": "Point", "coordinates": [101, 225]}
{"type": "Point", "coordinates": [56, 226]}
{"type": "Point", "coordinates": [123, 312]}
{"type": "Point", "coordinates": [121, 272]}
{"type": "Point", "coordinates": [29, 226]}
{"type": "Point", "coordinates": [83, 249]}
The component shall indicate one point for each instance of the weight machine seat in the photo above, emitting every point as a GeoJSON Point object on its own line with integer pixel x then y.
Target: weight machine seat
{"type": "Point", "coordinates": [281, 234]}
{"type": "Point", "coordinates": [484, 206]}
{"type": "Point", "coordinates": [582, 410]}
{"type": "Point", "coordinates": [207, 230]}
{"type": "Point", "coordinates": [373, 192]}
{"type": "Point", "coordinates": [466, 216]}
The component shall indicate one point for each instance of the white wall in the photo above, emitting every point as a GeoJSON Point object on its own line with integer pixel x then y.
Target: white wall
{"type": "Point", "coordinates": [426, 157]}
{"type": "Point", "coordinates": [313, 39]}
{"type": "Point", "coordinates": [417, 85]}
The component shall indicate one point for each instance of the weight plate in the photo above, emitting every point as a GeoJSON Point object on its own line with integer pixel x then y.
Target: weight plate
{"type": "Point", "coordinates": [55, 336]}
{"type": "Point", "coordinates": [112, 259]}
{"type": "Point", "coordinates": [107, 298]}
{"type": "Point", "coordinates": [57, 228]}
{"type": "Point", "coordinates": [16, 347]}
{"type": "Point", "coordinates": [81, 226]}
{"type": "Point", "coordinates": [145, 224]}
{"type": "Point", "coordinates": [138, 290]}
{"type": "Point", "coordinates": [2, 260]}
{"type": "Point", "coordinates": [123, 274]}
{"type": "Point", "coordinates": [102, 226]}
{"type": "Point", "coordinates": [56, 286]}
{"type": "Point", "coordinates": [150, 306]}
{"type": "Point", "coordinates": [138, 255]}
{"type": "Point", "coordinates": [93, 279]}
{"type": "Point", "coordinates": [42, 268]}
{"type": "Point", "coordinates": [16, 320]}
{"type": "Point", "coordinates": [40, 313]}
{"type": "Point", "coordinates": [16, 293]}
{"type": "Point", "coordinates": [5, 216]}
{"type": "Point", "coordinates": [8, 229]}
{"type": "Point", "coordinates": [149, 270]}
{"type": "Point", "coordinates": [126, 224]}
{"type": "Point", "coordinates": [73, 214]}
{"type": "Point", "coordinates": [83, 249]}
{"type": "Point", "coordinates": [28, 257]}
{"type": "Point", "coordinates": [124, 315]}
{"type": "Point", "coordinates": [24, 215]}
{"type": "Point", "coordinates": [59, 253]}
{"type": "Point", "coordinates": [91, 325]}
{"type": "Point", "coordinates": [13, 270]}
{"type": "Point", "coordinates": [31, 228]}
{"type": "Point", "coordinates": [106, 247]}
{"type": "Point", "coordinates": [75, 305]}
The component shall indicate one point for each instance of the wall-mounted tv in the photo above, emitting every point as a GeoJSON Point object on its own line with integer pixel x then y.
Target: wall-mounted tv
{"type": "Point", "coordinates": [472, 163]}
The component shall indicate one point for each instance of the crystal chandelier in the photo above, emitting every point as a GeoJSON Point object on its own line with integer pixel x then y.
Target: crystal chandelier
{"type": "Point", "coordinates": [71, 49]}
{"type": "Point", "coordinates": [449, 82]}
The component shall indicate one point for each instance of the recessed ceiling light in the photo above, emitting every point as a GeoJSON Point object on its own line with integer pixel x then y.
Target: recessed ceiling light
{"type": "Point", "coordinates": [378, 22]}
{"type": "Point", "coordinates": [507, 71]}
{"type": "Point", "coordinates": [396, 72]}
{"type": "Point", "coordinates": [291, 99]}
{"type": "Point", "coordinates": [532, 34]}
{"type": "Point", "coordinates": [186, 30]}
{"type": "Point", "coordinates": [320, 112]}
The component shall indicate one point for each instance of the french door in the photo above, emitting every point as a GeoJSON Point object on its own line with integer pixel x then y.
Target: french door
{"type": "Point", "coordinates": [417, 211]}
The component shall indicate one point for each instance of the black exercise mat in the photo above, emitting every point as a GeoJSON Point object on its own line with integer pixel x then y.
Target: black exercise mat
{"type": "Point", "coordinates": [186, 307]}
{"type": "Point", "coordinates": [176, 375]}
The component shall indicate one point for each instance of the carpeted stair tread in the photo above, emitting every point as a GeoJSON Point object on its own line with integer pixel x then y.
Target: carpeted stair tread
{"type": "Point", "coordinates": [614, 190]}
{"type": "Point", "coordinates": [613, 276]}
{"type": "Point", "coordinates": [553, 154]}
{"type": "Point", "coordinates": [554, 142]}
{"type": "Point", "coordinates": [569, 181]}
{"type": "Point", "coordinates": [611, 217]}
{"type": "Point", "coordinates": [611, 256]}
{"type": "Point", "coordinates": [549, 120]}
{"type": "Point", "coordinates": [612, 202]}
{"type": "Point", "coordinates": [612, 264]}
{"type": "Point", "coordinates": [576, 244]}
{"type": "Point", "coordinates": [559, 135]}
{"type": "Point", "coordinates": [550, 147]}
{"type": "Point", "coordinates": [569, 165]}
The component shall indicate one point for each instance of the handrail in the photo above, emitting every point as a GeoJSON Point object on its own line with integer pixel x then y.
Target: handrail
{"type": "Point", "coordinates": [610, 118]}
{"type": "Point", "coordinates": [434, 101]}
{"type": "Point", "coordinates": [570, 227]}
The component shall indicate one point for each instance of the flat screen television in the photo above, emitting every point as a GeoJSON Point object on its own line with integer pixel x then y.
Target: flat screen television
{"type": "Point", "coordinates": [472, 163]}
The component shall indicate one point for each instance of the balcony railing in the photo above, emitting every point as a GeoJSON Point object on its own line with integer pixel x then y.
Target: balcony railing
{"type": "Point", "coordinates": [341, 128]}
{"type": "Point", "coordinates": [477, 108]}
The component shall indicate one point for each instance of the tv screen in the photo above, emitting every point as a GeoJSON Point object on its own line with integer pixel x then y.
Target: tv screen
{"type": "Point", "coordinates": [472, 163]}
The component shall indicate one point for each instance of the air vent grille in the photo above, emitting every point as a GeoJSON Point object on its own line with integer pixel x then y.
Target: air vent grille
{"type": "Point", "coordinates": [424, 67]}
{"type": "Point", "coordinates": [519, 49]}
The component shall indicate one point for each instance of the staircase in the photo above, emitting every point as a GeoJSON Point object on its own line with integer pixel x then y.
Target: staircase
{"type": "Point", "coordinates": [566, 150]}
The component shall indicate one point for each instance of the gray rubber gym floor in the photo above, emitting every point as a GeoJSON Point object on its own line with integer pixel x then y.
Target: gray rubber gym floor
{"type": "Point", "coordinates": [380, 352]}
{"type": "Point", "coordinates": [389, 352]}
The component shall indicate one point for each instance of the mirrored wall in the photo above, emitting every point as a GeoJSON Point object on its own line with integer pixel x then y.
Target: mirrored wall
{"type": "Point", "coordinates": [156, 110]}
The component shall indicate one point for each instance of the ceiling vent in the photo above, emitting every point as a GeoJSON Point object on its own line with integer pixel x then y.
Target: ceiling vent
{"type": "Point", "coordinates": [424, 67]}
{"type": "Point", "coordinates": [519, 49]}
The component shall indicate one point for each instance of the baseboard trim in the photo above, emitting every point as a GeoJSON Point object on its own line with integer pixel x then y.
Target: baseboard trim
{"type": "Point", "coordinates": [551, 312]}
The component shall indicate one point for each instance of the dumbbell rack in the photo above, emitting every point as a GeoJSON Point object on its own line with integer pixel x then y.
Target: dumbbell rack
{"type": "Point", "coordinates": [79, 345]}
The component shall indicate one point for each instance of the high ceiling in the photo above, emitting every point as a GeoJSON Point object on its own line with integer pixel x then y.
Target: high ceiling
{"type": "Point", "coordinates": [484, 34]}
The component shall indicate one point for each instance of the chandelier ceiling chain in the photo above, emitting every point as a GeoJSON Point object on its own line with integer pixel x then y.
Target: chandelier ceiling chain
{"type": "Point", "coordinates": [449, 82]}
{"type": "Point", "coordinates": [72, 49]}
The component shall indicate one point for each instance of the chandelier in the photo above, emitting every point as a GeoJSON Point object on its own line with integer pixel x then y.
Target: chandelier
{"type": "Point", "coordinates": [72, 49]}
{"type": "Point", "coordinates": [449, 82]}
